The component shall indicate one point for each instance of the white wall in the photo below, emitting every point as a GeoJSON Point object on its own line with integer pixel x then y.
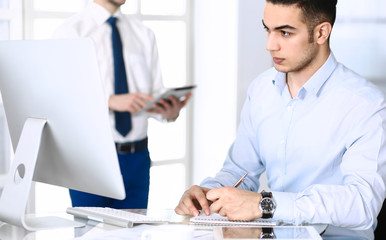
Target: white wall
{"type": "Point", "coordinates": [253, 58]}
{"type": "Point", "coordinates": [229, 53]}
{"type": "Point", "coordinates": [215, 74]}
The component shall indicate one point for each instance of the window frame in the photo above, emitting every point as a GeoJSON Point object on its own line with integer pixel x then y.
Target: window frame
{"type": "Point", "coordinates": [30, 15]}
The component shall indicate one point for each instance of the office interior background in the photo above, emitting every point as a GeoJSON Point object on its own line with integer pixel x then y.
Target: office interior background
{"type": "Point", "coordinates": [219, 45]}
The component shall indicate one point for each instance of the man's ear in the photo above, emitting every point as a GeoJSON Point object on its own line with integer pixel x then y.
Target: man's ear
{"type": "Point", "coordinates": [322, 32]}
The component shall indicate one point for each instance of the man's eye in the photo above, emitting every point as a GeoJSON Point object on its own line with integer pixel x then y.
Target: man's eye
{"type": "Point", "coordinates": [286, 34]}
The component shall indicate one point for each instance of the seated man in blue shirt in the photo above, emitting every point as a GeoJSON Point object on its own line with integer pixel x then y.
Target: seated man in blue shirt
{"type": "Point", "coordinates": [314, 126]}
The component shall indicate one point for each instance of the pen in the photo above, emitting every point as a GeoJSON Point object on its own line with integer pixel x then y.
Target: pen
{"type": "Point", "coordinates": [241, 180]}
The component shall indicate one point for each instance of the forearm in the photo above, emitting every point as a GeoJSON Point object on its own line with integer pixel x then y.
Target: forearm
{"type": "Point", "coordinates": [338, 205]}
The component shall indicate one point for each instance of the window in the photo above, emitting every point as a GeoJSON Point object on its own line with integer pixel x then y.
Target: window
{"type": "Point", "coordinates": [4, 30]}
{"type": "Point", "coordinates": [169, 144]}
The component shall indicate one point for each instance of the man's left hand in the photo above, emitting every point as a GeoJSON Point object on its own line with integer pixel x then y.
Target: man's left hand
{"type": "Point", "coordinates": [170, 108]}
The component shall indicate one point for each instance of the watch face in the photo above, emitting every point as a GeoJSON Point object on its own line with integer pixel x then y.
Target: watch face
{"type": "Point", "coordinates": [268, 205]}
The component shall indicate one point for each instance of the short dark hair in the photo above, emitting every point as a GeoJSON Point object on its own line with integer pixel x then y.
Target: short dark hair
{"type": "Point", "coordinates": [314, 11]}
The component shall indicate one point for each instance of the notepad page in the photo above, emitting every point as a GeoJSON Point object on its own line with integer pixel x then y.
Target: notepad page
{"type": "Point", "coordinates": [216, 219]}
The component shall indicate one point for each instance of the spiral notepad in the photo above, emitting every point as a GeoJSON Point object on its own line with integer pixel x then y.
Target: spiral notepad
{"type": "Point", "coordinates": [218, 220]}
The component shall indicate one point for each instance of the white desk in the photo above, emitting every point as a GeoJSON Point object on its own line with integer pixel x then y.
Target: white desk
{"type": "Point", "coordinates": [9, 232]}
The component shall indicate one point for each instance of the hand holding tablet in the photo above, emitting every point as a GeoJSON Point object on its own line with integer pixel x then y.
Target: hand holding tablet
{"type": "Point", "coordinates": [178, 93]}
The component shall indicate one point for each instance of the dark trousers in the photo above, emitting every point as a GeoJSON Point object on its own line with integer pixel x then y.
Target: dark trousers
{"type": "Point", "coordinates": [135, 169]}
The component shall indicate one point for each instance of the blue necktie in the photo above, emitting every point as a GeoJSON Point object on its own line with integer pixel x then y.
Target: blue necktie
{"type": "Point", "coordinates": [122, 119]}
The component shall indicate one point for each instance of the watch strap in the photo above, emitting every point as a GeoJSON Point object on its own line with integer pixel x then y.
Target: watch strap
{"type": "Point", "coordinates": [267, 233]}
{"type": "Point", "coordinates": [267, 215]}
{"type": "Point", "coordinates": [266, 194]}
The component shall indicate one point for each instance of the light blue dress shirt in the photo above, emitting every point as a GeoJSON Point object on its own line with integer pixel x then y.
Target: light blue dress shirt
{"type": "Point", "coordinates": [323, 151]}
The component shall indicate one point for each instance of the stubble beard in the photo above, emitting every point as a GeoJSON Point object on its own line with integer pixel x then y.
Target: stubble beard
{"type": "Point", "coordinates": [306, 61]}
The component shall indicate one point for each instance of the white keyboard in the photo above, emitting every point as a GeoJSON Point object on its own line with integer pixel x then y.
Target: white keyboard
{"type": "Point", "coordinates": [113, 216]}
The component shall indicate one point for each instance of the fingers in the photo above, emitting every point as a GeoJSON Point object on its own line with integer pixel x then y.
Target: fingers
{"type": "Point", "coordinates": [170, 108]}
{"type": "Point", "coordinates": [171, 104]}
{"type": "Point", "coordinates": [217, 206]}
{"type": "Point", "coordinates": [186, 206]}
{"type": "Point", "coordinates": [135, 106]}
{"type": "Point", "coordinates": [204, 203]}
{"type": "Point", "coordinates": [168, 104]}
{"type": "Point", "coordinates": [177, 102]}
{"type": "Point", "coordinates": [186, 98]}
{"type": "Point", "coordinates": [134, 102]}
{"type": "Point", "coordinates": [129, 102]}
{"type": "Point", "coordinates": [138, 101]}
{"type": "Point", "coordinates": [192, 201]}
{"type": "Point", "coordinates": [214, 194]}
{"type": "Point", "coordinates": [234, 203]}
{"type": "Point", "coordinates": [226, 201]}
{"type": "Point", "coordinates": [144, 97]}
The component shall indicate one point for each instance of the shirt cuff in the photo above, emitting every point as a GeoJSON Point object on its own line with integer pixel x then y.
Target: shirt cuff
{"type": "Point", "coordinates": [284, 206]}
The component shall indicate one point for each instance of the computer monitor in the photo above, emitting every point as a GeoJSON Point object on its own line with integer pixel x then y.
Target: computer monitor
{"type": "Point", "coordinates": [58, 121]}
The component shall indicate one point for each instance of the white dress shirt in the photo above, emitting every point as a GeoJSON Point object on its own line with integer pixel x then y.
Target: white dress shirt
{"type": "Point", "coordinates": [323, 151]}
{"type": "Point", "coordinates": [139, 51]}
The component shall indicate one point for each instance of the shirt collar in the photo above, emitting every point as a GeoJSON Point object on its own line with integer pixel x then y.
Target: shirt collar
{"type": "Point", "coordinates": [280, 81]}
{"type": "Point", "coordinates": [315, 83]}
{"type": "Point", "coordinates": [100, 14]}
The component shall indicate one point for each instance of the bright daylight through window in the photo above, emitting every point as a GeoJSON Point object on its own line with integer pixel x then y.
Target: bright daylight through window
{"type": "Point", "coordinates": [168, 143]}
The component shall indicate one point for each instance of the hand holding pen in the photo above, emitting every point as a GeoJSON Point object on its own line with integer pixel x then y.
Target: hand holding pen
{"type": "Point", "coordinates": [194, 199]}
{"type": "Point", "coordinates": [236, 204]}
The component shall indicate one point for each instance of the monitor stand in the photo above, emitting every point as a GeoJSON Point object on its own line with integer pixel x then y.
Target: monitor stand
{"type": "Point", "coordinates": [14, 198]}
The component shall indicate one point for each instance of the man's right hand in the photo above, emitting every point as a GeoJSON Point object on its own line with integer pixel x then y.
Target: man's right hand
{"type": "Point", "coordinates": [129, 102]}
{"type": "Point", "coordinates": [193, 200]}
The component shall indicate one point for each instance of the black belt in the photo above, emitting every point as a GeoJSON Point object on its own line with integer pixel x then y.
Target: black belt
{"type": "Point", "coordinates": [131, 147]}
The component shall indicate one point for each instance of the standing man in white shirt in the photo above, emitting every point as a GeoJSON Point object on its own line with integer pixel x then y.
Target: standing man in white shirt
{"type": "Point", "coordinates": [126, 50]}
{"type": "Point", "coordinates": [315, 127]}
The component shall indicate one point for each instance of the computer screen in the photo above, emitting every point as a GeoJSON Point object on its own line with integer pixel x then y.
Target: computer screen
{"type": "Point", "coordinates": [57, 116]}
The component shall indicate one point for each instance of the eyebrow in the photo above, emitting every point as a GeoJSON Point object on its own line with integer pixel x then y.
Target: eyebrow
{"type": "Point", "coordinates": [279, 27]}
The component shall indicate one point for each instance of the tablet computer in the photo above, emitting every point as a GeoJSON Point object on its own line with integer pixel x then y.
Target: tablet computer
{"type": "Point", "coordinates": [178, 93]}
{"type": "Point", "coordinates": [257, 232]}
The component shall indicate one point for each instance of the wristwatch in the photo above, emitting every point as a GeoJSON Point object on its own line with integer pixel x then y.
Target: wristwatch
{"type": "Point", "coordinates": [267, 204]}
{"type": "Point", "coordinates": [267, 233]}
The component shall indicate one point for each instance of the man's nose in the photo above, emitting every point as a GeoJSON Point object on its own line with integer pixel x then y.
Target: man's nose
{"type": "Point", "coordinates": [272, 43]}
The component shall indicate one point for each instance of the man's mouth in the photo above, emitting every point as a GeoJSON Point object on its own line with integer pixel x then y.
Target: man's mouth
{"type": "Point", "coordinates": [277, 60]}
